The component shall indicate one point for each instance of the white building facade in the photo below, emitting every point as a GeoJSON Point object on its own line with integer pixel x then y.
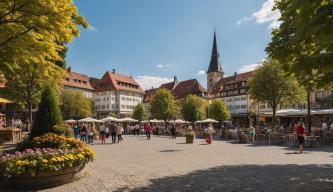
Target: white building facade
{"type": "Point", "coordinates": [116, 93]}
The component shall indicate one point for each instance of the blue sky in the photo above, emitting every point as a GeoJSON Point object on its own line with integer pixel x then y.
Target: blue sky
{"type": "Point", "coordinates": [153, 40]}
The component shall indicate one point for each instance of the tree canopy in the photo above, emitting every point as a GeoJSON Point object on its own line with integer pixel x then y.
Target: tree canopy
{"type": "Point", "coordinates": [303, 43]}
{"type": "Point", "coordinates": [37, 30]}
{"type": "Point", "coordinates": [32, 45]}
{"type": "Point", "coordinates": [272, 85]}
{"type": "Point", "coordinates": [163, 105]}
{"type": "Point", "coordinates": [48, 114]}
{"type": "Point", "coordinates": [74, 103]}
{"type": "Point", "coordinates": [218, 110]}
{"type": "Point", "coordinates": [194, 108]}
{"type": "Point", "coordinates": [139, 112]}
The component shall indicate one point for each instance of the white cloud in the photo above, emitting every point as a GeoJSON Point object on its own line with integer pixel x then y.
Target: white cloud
{"type": "Point", "coordinates": [147, 82]}
{"type": "Point", "coordinates": [247, 68]}
{"type": "Point", "coordinates": [201, 72]}
{"type": "Point", "coordinates": [92, 28]}
{"type": "Point", "coordinates": [264, 15]}
{"type": "Point", "coordinates": [163, 66]}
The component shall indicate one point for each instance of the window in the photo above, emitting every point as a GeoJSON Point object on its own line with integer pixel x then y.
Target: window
{"type": "Point", "coordinates": [103, 106]}
{"type": "Point", "coordinates": [237, 106]}
{"type": "Point", "coordinates": [67, 79]}
{"type": "Point", "coordinates": [107, 106]}
{"type": "Point", "coordinates": [262, 106]}
{"type": "Point", "coordinates": [242, 91]}
{"type": "Point", "coordinates": [107, 98]}
{"type": "Point", "coordinates": [243, 106]}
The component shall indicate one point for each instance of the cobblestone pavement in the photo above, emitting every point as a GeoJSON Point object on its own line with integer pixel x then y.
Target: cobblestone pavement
{"type": "Point", "coordinates": [162, 164]}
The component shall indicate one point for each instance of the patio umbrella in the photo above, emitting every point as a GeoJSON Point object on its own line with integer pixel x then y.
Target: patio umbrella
{"type": "Point", "coordinates": [127, 119]}
{"type": "Point", "coordinates": [3, 100]}
{"type": "Point", "coordinates": [110, 119]}
{"type": "Point", "coordinates": [179, 121]}
{"type": "Point", "coordinates": [209, 121]}
{"type": "Point", "coordinates": [156, 121]}
{"type": "Point", "coordinates": [90, 120]}
{"type": "Point", "coordinates": [70, 121]}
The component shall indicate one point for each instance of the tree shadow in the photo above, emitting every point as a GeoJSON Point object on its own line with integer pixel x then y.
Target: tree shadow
{"type": "Point", "coordinates": [296, 178]}
{"type": "Point", "coordinates": [169, 150]}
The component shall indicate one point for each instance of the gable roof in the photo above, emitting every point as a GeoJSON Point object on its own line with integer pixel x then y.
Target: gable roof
{"type": "Point", "coordinates": [185, 88]}
{"type": "Point", "coordinates": [180, 90]}
{"type": "Point", "coordinates": [231, 79]}
{"type": "Point", "coordinates": [77, 80]}
{"type": "Point", "coordinates": [113, 80]}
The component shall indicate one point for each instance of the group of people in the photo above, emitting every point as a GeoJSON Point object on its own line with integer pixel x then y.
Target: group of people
{"type": "Point", "coordinates": [86, 132]}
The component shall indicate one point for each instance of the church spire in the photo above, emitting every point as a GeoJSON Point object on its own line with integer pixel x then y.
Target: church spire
{"type": "Point", "coordinates": [215, 65]}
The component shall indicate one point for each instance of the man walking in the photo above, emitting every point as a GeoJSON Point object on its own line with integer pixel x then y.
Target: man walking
{"type": "Point", "coordinates": [113, 132]}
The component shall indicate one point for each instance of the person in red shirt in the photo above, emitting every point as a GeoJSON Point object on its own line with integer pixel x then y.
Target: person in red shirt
{"type": "Point", "coordinates": [148, 130]}
{"type": "Point", "coordinates": [300, 135]}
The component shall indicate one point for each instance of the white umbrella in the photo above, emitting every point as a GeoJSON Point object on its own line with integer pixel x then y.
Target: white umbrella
{"type": "Point", "coordinates": [90, 120]}
{"type": "Point", "coordinates": [209, 121]}
{"type": "Point", "coordinates": [110, 119]}
{"type": "Point", "coordinates": [198, 122]}
{"type": "Point", "coordinates": [156, 121]}
{"type": "Point", "coordinates": [179, 121]}
{"type": "Point", "coordinates": [70, 121]}
{"type": "Point", "coordinates": [127, 119]}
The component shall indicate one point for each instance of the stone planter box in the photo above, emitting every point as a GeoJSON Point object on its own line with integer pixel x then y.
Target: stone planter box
{"type": "Point", "coordinates": [46, 179]}
{"type": "Point", "coordinates": [190, 138]}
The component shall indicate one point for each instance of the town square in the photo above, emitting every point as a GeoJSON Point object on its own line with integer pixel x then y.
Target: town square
{"type": "Point", "coordinates": [167, 95]}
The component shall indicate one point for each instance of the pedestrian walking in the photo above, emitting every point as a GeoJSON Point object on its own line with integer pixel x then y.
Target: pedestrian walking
{"type": "Point", "coordinates": [120, 131]}
{"type": "Point", "coordinates": [173, 131]}
{"type": "Point", "coordinates": [83, 132]}
{"type": "Point", "coordinates": [102, 133]}
{"type": "Point", "coordinates": [107, 131]}
{"type": "Point", "coordinates": [209, 134]}
{"type": "Point", "coordinates": [113, 129]}
{"type": "Point", "coordinates": [148, 130]}
{"type": "Point", "coordinates": [76, 131]}
{"type": "Point", "coordinates": [300, 131]}
{"type": "Point", "coordinates": [90, 134]}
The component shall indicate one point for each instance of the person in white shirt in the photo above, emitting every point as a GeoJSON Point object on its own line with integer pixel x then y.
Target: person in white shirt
{"type": "Point", "coordinates": [324, 126]}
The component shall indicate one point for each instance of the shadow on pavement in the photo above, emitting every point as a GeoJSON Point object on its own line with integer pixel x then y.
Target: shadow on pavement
{"type": "Point", "coordinates": [169, 150]}
{"type": "Point", "coordinates": [296, 178]}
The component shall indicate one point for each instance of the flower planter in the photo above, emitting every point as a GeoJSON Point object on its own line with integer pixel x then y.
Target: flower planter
{"type": "Point", "coordinates": [46, 179]}
{"type": "Point", "coordinates": [189, 138]}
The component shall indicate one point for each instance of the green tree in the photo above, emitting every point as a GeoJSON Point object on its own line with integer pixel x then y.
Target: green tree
{"type": "Point", "coordinates": [139, 112]}
{"type": "Point", "coordinates": [303, 43]}
{"type": "Point", "coordinates": [74, 103]}
{"type": "Point", "coordinates": [194, 108]}
{"type": "Point", "coordinates": [163, 105]}
{"type": "Point", "coordinates": [37, 29]}
{"type": "Point", "coordinates": [272, 85]}
{"type": "Point", "coordinates": [48, 113]}
{"type": "Point", "coordinates": [25, 80]}
{"type": "Point", "coordinates": [218, 110]}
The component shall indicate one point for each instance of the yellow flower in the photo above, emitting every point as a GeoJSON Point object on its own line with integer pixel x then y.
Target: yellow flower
{"type": "Point", "coordinates": [45, 160]}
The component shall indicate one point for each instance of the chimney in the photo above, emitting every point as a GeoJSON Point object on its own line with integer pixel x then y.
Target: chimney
{"type": "Point", "coordinates": [113, 71]}
{"type": "Point", "coordinates": [69, 69]}
{"type": "Point", "coordinates": [235, 75]}
{"type": "Point", "coordinates": [175, 79]}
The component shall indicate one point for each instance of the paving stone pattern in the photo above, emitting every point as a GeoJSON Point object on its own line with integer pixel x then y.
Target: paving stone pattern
{"type": "Point", "coordinates": [162, 164]}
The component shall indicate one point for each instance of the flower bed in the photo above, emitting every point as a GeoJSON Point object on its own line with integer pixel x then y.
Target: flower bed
{"type": "Point", "coordinates": [50, 153]}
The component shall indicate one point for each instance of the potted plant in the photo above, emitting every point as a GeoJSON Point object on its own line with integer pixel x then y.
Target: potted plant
{"type": "Point", "coordinates": [190, 135]}
{"type": "Point", "coordinates": [48, 160]}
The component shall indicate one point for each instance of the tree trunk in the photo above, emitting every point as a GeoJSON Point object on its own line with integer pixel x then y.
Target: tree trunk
{"type": "Point", "coordinates": [309, 110]}
{"type": "Point", "coordinates": [274, 120]}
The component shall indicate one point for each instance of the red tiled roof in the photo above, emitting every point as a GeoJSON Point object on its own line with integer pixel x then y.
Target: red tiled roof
{"type": "Point", "coordinates": [2, 85]}
{"type": "Point", "coordinates": [180, 90]}
{"type": "Point", "coordinates": [111, 80]}
{"type": "Point", "coordinates": [231, 79]}
{"type": "Point", "coordinates": [77, 80]}
{"type": "Point", "coordinates": [169, 86]}
{"type": "Point", "coordinates": [185, 88]}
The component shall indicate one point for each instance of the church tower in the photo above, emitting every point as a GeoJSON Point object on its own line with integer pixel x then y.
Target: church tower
{"type": "Point", "coordinates": [215, 72]}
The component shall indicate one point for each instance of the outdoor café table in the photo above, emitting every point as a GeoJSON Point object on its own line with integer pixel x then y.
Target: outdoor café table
{"type": "Point", "coordinates": [311, 140]}
{"type": "Point", "coordinates": [10, 133]}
